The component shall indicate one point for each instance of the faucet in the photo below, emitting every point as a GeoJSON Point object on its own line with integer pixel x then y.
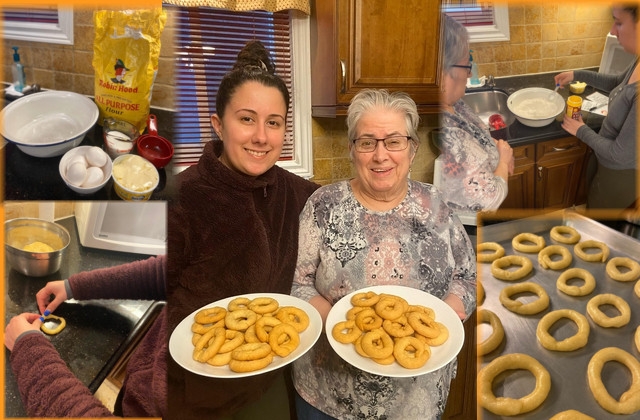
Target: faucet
{"type": "Point", "coordinates": [491, 82]}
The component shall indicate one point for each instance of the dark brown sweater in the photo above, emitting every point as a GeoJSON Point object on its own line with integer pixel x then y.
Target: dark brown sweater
{"type": "Point", "coordinates": [229, 234]}
{"type": "Point", "coordinates": [49, 389]}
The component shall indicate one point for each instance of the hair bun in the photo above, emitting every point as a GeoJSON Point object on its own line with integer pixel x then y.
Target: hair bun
{"type": "Point", "coordinates": [254, 54]}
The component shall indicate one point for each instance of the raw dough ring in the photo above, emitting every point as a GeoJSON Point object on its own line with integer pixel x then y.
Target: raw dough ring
{"type": "Point", "coordinates": [600, 318]}
{"type": "Point", "coordinates": [637, 338]}
{"type": "Point", "coordinates": [629, 402]}
{"type": "Point", "coordinates": [574, 342]}
{"type": "Point", "coordinates": [601, 256]}
{"type": "Point", "coordinates": [498, 267]}
{"type": "Point", "coordinates": [564, 234]}
{"type": "Point", "coordinates": [636, 288]}
{"type": "Point", "coordinates": [530, 308]}
{"type": "Point", "coordinates": [572, 273]}
{"type": "Point", "coordinates": [505, 406]}
{"type": "Point", "coordinates": [55, 330]}
{"type": "Point", "coordinates": [485, 257]}
{"type": "Point", "coordinates": [497, 335]}
{"type": "Point", "coordinates": [518, 243]}
{"type": "Point", "coordinates": [545, 261]}
{"type": "Point", "coordinates": [614, 273]}
{"type": "Point", "coordinates": [571, 415]}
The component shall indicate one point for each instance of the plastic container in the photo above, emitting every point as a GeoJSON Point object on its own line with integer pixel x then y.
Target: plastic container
{"type": "Point", "coordinates": [134, 177]}
{"type": "Point", "coordinates": [475, 80]}
{"type": "Point", "coordinates": [17, 71]}
{"type": "Point", "coordinates": [574, 104]}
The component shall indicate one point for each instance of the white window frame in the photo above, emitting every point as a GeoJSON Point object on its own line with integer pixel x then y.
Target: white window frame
{"type": "Point", "coordinates": [62, 33]}
{"type": "Point", "coordinates": [302, 162]}
{"type": "Point", "coordinates": [499, 31]}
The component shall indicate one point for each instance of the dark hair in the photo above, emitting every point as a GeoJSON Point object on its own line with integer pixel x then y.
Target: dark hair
{"type": "Point", "coordinates": [253, 64]}
{"type": "Point", "coordinates": [632, 9]}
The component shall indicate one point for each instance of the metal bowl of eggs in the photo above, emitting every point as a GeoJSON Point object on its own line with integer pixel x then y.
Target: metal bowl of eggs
{"type": "Point", "coordinates": [35, 247]}
{"type": "Point", "coordinates": [49, 123]}
{"type": "Point", "coordinates": [85, 169]}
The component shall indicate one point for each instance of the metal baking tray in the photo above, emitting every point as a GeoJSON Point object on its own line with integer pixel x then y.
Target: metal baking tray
{"type": "Point", "coordinates": [568, 370]}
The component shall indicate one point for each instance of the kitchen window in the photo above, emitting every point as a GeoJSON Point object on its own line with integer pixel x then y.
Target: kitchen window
{"type": "Point", "coordinates": [485, 21]}
{"type": "Point", "coordinates": [51, 25]}
{"type": "Point", "coordinates": [206, 44]}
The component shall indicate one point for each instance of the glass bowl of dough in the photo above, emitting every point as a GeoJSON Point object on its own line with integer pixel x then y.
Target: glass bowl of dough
{"type": "Point", "coordinates": [35, 247]}
{"type": "Point", "coordinates": [536, 107]}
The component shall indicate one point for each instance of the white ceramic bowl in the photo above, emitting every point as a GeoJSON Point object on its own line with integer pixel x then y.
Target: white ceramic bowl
{"type": "Point", "coordinates": [82, 150]}
{"type": "Point", "coordinates": [49, 123]}
{"type": "Point", "coordinates": [536, 107]}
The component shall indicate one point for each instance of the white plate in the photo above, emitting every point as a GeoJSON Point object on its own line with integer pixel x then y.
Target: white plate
{"type": "Point", "coordinates": [440, 355]}
{"type": "Point", "coordinates": [181, 348]}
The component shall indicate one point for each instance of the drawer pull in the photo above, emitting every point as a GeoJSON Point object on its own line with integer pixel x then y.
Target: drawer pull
{"type": "Point", "coordinates": [562, 149]}
{"type": "Point", "coordinates": [343, 85]}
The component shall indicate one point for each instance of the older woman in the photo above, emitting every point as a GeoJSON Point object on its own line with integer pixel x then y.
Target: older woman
{"type": "Point", "coordinates": [612, 172]}
{"type": "Point", "coordinates": [475, 167]}
{"type": "Point", "coordinates": [378, 228]}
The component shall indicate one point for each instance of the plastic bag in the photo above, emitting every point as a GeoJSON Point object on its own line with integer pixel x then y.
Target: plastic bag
{"type": "Point", "coordinates": [126, 50]}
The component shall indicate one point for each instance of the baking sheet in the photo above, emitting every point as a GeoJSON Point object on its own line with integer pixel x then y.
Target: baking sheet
{"type": "Point", "coordinates": [569, 388]}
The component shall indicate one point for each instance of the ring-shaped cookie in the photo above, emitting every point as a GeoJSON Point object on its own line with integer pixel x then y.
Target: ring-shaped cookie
{"type": "Point", "coordinates": [264, 305]}
{"type": "Point", "coordinates": [411, 353]}
{"type": "Point", "coordinates": [572, 290]}
{"type": "Point", "coordinates": [518, 307]}
{"type": "Point", "coordinates": [480, 293]}
{"type": "Point", "coordinates": [365, 299]}
{"type": "Point", "coordinates": [499, 267]}
{"type": "Point", "coordinates": [636, 338]}
{"type": "Point", "coordinates": [601, 256]}
{"type": "Point", "coordinates": [210, 315]}
{"type": "Point", "coordinates": [519, 243]}
{"type": "Point", "coordinates": [545, 261]}
{"type": "Point", "coordinates": [442, 337]}
{"type": "Point", "coordinates": [600, 318]}
{"type": "Point", "coordinates": [564, 234]}
{"type": "Point", "coordinates": [612, 269]}
{"type": "Point", "coordinates": [636, 288]}
{"type": "Point", "coordinates": [240, 320]}
{"type": "Point", "coordinates": [487, 257]}
{"type": "Point", "coordinates": [506, 406]}
{"type": "Point", "coordinates": [294, 316]}
{"type": "Point", "coordinates": [629, 402]}
{"type": "Point", "coordinates": [574, 342]}
{"type": "Point", "coordinates": [497, 334]}
{"type": "Point", "coordinates": [53, 331]}
{"type": "Point", "coordinates": [239, 303]}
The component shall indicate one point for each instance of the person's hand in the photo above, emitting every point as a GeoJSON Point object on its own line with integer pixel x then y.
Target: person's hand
{"type": "Point", "coordinates": [456, 304]}
{"type": "Point", "coordinates": [570, 125]}
{"type": "Point", "coordinates": [18, 325]}
{"type": "Point", "coordinates": [506, 154]}
{"type": "Point", "coordinates": [563, 78]}
{"type": "Point", "coordinates": [43, 297]}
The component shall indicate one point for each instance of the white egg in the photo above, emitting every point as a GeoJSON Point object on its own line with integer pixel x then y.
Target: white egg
{"type": "Point", "coordinates": [76, 174]}
{"type": "Point", "coordinates": [96, 157]}
{"type": "Point", "coordinates": [79, 158]}
{"type": "Point", "coordinates": [94, 177]}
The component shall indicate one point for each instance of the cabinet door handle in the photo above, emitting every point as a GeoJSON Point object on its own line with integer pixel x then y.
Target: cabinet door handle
{"type": "Point", "coordinates": [562, 149]}
{"type": "Point", "coordinates": [343, 85]}
{"type": "Point", "coordinates": [540, 173]}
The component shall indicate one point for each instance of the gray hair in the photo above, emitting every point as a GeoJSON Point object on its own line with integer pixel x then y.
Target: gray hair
{"type": "Point", "coordinates": [456, 43]}
{"type": "Point", "coordinates": [368, 99]}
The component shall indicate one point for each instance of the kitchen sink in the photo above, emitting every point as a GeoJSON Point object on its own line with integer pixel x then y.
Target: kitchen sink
{"type": "Point", "coordinates": [487, 103]}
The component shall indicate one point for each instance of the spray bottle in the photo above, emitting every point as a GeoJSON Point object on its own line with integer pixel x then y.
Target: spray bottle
{"type": "Point", "coordinates": [17, 70]}
{"type": "Point", "coordinates": [474, 70]}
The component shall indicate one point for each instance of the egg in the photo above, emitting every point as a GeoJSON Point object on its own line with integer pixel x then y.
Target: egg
{"type": "Point", "coordinates": [96, 157]}
{"type": "Point", "coordinates": [95, 176]}
{"type": "Point", "coordinates": [79, 158]}
{"type": "Point", "coordinates": [76, 174]}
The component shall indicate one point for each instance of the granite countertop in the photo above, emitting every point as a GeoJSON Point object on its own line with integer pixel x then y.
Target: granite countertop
{"type": "Point", "coordinates": [518, 134]}
{"type": "Point", "coordinates": [98, 332]}
{"type": "Point", "coordinates": [32, 178]}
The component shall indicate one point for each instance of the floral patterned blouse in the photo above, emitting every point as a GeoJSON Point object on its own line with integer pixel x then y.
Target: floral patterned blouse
{"type": "Point", "coordinates": [343, 248]}
{"type": "Point", "coordinates": [470, 158]}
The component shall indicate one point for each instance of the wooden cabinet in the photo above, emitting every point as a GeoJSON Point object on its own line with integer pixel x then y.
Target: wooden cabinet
{"type": "Point", "coordinates": [461, 404]}
{"type": "Point", "coordinates": [358, 44]}
{"type": "Point", "coordinates": [548, 175]}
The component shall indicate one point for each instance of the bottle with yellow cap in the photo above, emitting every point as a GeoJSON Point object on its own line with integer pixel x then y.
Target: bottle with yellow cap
{"type": "Point", "coordinates": [574, 104]}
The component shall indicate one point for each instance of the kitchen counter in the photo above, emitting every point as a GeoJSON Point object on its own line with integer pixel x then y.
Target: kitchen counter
{"type": "Point", "coordinates": [98, 332]}
{"type": "Point", "coordinates": [518, 134]}
{"type": "Point", "coordinates": [31, 178]}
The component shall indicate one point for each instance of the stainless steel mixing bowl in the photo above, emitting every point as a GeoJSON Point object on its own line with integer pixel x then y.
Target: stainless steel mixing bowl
{"type": "Point", "coordinates": [24, 232]}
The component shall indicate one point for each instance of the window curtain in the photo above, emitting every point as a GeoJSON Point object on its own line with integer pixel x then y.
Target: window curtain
{"type": "Point", "coordinates": [246, 5]}
{"type": "Point", "coordinates": [469, 12]}
{"type": "Point", "coordinates": [206, 43]}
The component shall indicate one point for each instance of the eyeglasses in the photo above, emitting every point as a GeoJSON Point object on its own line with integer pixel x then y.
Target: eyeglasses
{"type": "Point", "coordinates": [463, 67]}
{"type": "Point", "coordinates": [392, 144]}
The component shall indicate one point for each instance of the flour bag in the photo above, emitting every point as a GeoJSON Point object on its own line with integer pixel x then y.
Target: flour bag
{"type": "Point", "coordinates": [126, 50]}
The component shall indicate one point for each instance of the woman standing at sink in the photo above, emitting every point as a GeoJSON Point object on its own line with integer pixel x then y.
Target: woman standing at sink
{"type": "Point", "coordinates": [475, 167]}
{"type": "Point", "coordinates": [611, 175]}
